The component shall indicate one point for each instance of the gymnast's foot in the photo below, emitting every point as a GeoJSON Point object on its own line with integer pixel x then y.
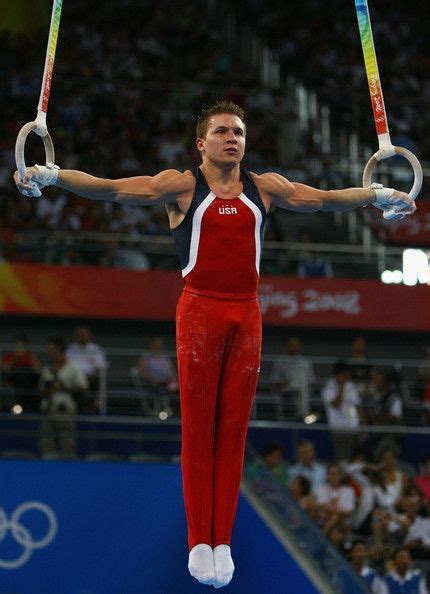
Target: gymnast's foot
{"type": "Point", "coordinates": [224, 566]}
{"type": "Point", "coordinates": [201, 564]}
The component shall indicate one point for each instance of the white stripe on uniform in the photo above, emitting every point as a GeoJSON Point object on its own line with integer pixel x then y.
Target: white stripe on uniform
{"type": "Point", "coordinates": [195, 233]}
{"type": "Point", "coordinates": [258, 221]}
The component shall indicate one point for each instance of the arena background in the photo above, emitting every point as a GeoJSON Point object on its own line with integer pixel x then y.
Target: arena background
{"type": "Point", "coordinates": [91, 500]}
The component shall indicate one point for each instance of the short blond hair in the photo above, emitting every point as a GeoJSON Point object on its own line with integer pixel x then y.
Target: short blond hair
{"type": "Point", "coordinates": [219, 107]}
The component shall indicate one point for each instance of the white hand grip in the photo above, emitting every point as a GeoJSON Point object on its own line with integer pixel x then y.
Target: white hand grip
{"type": "Point", "coordinates": [416, 166]}
{"type": "Point", "coordinates": [20, 146]}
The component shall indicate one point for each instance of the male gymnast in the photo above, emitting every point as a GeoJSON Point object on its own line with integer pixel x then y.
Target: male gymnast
{"type": "Point", "coordinates": [217, 214]}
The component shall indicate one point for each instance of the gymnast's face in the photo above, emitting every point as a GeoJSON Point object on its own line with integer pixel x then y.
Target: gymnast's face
{"type": "Point", "coordinates": [224, 143]}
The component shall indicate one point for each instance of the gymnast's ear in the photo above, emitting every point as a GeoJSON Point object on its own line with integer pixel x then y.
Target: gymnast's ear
{"type": "Point", "coordinates": [200, 144]}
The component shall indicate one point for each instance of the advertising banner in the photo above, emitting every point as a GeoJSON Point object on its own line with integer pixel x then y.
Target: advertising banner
{"type": "Point", "coordinates": [337, 303]}
{"type": "Point", "coordinates": [76, 291]}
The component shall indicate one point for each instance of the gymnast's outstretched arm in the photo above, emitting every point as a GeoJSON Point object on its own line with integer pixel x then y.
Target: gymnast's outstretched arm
{"type": "Point", "coordinates": [303, 198]}
{"type": "Point", "coordinates": [165, 186]}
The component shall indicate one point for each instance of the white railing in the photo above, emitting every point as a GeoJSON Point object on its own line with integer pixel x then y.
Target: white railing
{"type": "Point", "coordinates": [121, 391]}
{"type": "Point", "coordinates": [370, 260]}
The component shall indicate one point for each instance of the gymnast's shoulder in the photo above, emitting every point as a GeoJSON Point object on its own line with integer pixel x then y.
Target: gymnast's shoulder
{"type": "Point", "coordinates": [272, 186]}
{"type": "Point", "coordinates": [277, 190]}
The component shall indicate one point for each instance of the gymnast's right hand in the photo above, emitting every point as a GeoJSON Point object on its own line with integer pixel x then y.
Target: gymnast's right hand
{"type": "Point", "coordinates": [36, 178]}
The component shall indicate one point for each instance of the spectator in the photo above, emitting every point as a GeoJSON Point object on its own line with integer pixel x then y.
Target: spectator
{"type": "Point", "coordinates": [307, 466]}
{"type": "Point", "coordinates": [391, 481]}
{"type": "Point", "coordinates": [171, 150]}
{"type": "Point", "coordinates": [62, 383]}
{"type": "Point", "coordinates": [90, 358]}
{"type": "Point", "coordinates": [337, 533]}
{"type": "Point", "coordinates": [358, 558]}
{"type": "Point", "coordinates": [20, 371]}
{"type": "Point", "coordinates": [387, 537]}
{"type": "Point", "coordinates": [417, 539]}
{"type": "Point", "coordinates": [88, 355]}
{"type": "Point", "coordinates": [130, 257]}
{"type": "Point", "coordinates": [300, 490]}
{"type": "Point", "coordinates": [314, 266]}
{"type": "Point", "coordinates": [335, 501]}
{"type": "Point", "coordinates": [328, 176]}
{"type": "Point", "coordinates": [310, 263]}
{"type": "Point", "coordinates": [415, 493]}
{"type": "Point", "coordinates": [342, 403]}
{"type": "Point", "coordinates": [423, 480]}
{"type": "Point", "coordinates": [388, 407]}
{"type": "Point", "coordinates": [294, 377]}
{"type": "Point", "coordinates": [360, 472]}
{"type": "Point", "coordinates": [360, 366]}
{"type": "Point", "coordinates": [155, 372]}
{"type": "Point", "coordinates": [273, 457]}
{"type": "Point", "coordinates": [402, 578]}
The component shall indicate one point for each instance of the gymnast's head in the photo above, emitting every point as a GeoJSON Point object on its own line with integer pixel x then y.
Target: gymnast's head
{"type": "Point", "coordinates": [221, 134]}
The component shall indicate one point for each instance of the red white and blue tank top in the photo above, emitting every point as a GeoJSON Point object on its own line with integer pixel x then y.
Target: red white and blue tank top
{"type": "Point", "coordinates": [219, 241]}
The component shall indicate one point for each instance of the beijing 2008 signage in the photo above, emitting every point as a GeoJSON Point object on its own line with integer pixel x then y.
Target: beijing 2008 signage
{"type": "Point", "coordinates": [340, 303]}
{"type": "Point", "coordinates": [79, 291]}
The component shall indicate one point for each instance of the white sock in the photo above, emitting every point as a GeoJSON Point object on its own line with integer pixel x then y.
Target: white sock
{"type": "Point", "coordinates": [224, 566]}
{"type": "Point", "coordinates": [201, 564]}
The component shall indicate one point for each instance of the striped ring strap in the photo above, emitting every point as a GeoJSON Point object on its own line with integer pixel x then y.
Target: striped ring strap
{"type": "Point", "coordinates": [386, 148]}
{"type": "Point", "coordinates": [39, 124]}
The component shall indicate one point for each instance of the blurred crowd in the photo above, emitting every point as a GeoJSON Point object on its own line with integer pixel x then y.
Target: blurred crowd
{"type": "Point", "coordinates": [66, 384]}
{"type": "Point", "coordinates": [324, 37]}
{"type": "Point", "coordinates": [141, 81]}
{"type": "Point", "coordinates": [371, 505]}
{"type": "Point", "coordinates": [358, 392]}
{"type": "Point", "coordinates": [70, 377]}
{"type": "Point", "coordinates": [374, 510]}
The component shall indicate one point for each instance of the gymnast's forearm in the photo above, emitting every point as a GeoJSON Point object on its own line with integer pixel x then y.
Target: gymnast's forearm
{"type": "Point", "coordinates": [347, 199]}
{"type": "Point", "coordinates": [304, 198]}
{"type": "Point", "coordinates": [87, 186]}
{"type": "Point", "coordinates": [137, 190]}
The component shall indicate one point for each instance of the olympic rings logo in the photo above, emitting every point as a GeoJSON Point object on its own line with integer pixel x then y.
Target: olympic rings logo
{"type": "Point", "coordinates": [22, 535]}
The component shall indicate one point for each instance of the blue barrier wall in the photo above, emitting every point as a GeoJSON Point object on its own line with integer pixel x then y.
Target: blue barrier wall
{"type": "Point", "coordinates": [97, 528]}
{"type": "Point", "coordinates": [19, 432]}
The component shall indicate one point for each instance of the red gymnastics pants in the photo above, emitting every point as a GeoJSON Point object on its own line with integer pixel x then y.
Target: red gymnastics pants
{"type": "Point", "coordinates": [218, 348]}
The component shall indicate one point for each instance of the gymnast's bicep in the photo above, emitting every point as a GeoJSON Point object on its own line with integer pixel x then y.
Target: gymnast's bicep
{"type": "Point", "coordinates": [163, 187]}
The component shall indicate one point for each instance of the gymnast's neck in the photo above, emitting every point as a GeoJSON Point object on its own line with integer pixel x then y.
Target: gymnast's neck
{"type": "Point", "coordinates": [220, 175]}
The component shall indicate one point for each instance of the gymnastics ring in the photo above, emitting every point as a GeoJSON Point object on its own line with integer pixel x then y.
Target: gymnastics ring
{"type": "Point", "coordinates": [398, 150]}
{"type": "Point", "coordinates": [20, 145]}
